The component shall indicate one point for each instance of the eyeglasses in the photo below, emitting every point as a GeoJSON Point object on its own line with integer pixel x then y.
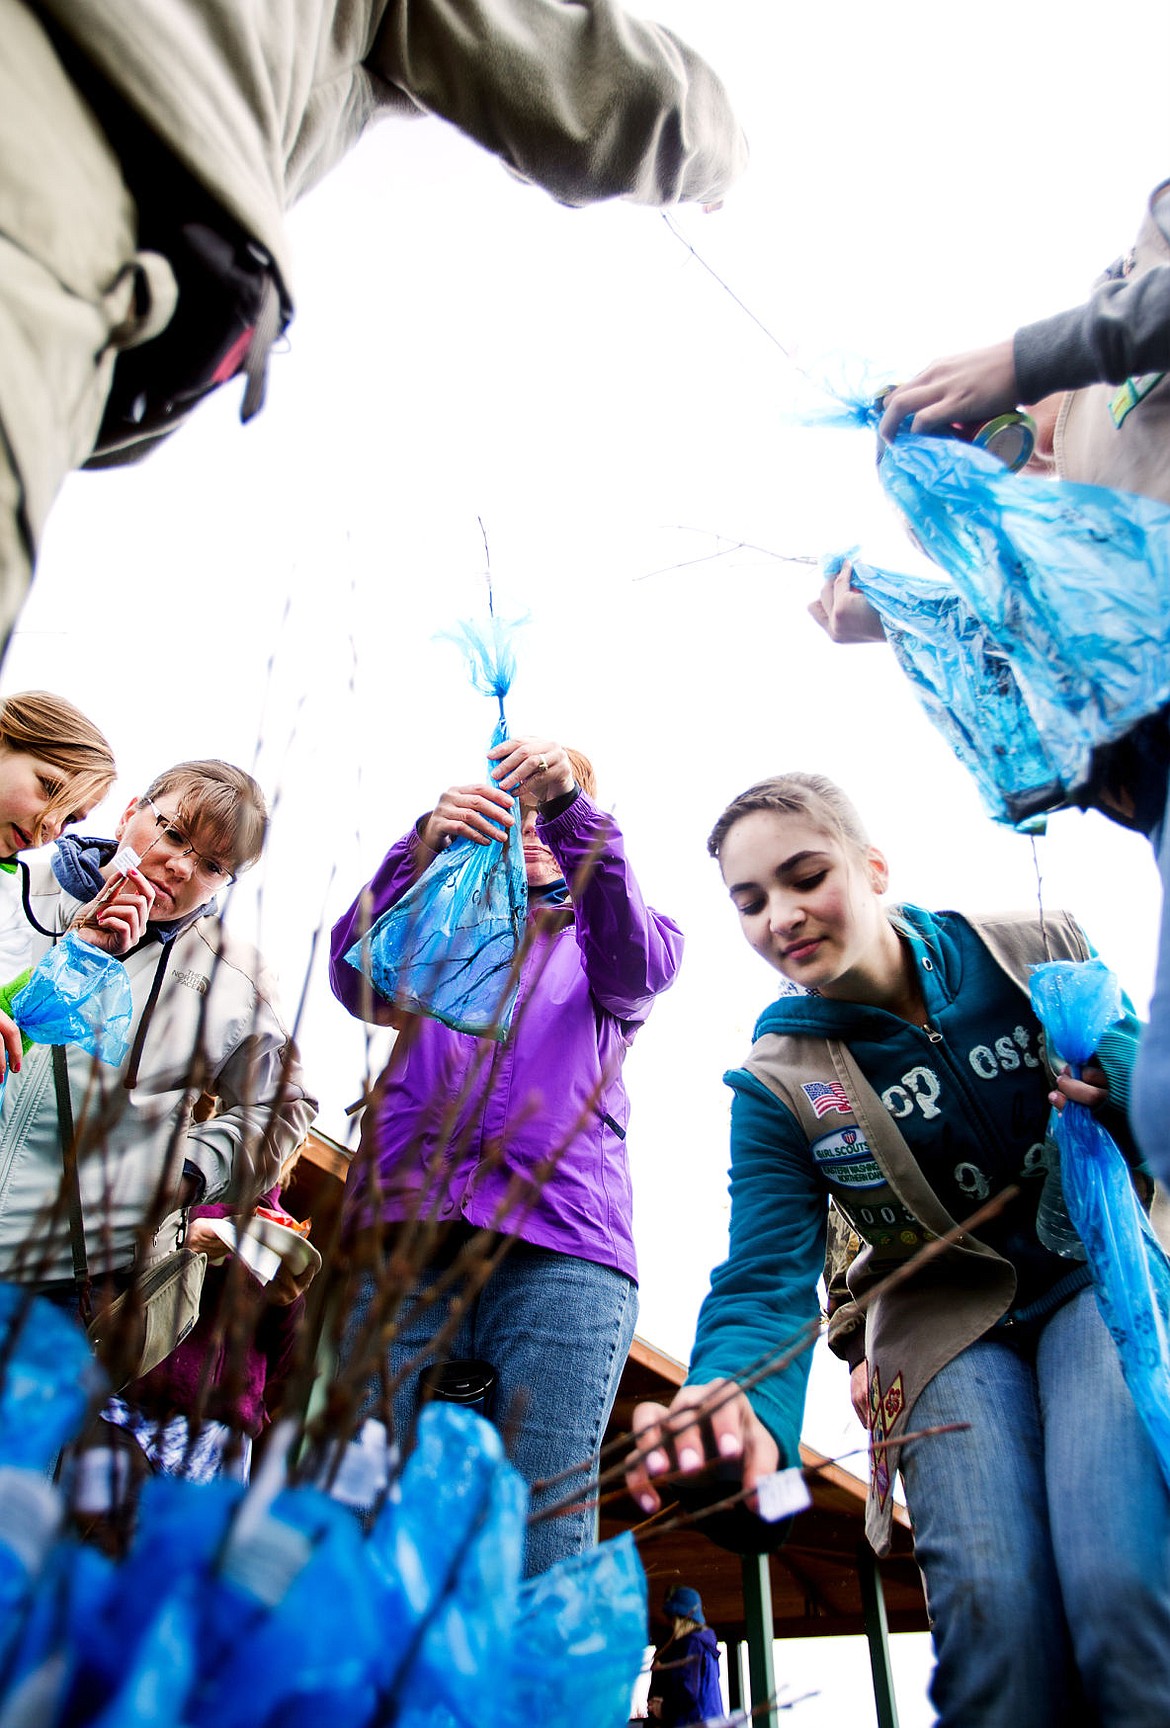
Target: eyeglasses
{"type": "Point", "coordinates": [173, 839]}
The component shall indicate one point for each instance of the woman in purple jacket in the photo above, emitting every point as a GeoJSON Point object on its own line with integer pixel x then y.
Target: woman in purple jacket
{"type": "Point", "coordinates": [524, 1138]}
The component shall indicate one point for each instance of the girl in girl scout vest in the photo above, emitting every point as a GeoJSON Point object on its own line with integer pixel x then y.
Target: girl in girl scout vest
{"type": "Point", "coordinates": [904, 1078]}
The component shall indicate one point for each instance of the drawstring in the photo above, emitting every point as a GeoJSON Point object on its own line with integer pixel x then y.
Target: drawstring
{"type": "Point", "coordinates": [266, 330]}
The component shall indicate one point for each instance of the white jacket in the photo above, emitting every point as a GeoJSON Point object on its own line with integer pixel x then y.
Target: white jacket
{"type": "Point", "coordinates": [206, 1019]}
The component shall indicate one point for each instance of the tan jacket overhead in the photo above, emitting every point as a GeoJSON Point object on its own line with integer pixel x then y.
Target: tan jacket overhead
{"type": "Point", "coordinates": [259, 101]}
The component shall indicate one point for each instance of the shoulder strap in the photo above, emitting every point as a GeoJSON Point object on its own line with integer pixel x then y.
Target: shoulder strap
{"type": "Point", "coordinates": [1017, 941]}
{"type": "Point", "coordinates": [889, 1147]}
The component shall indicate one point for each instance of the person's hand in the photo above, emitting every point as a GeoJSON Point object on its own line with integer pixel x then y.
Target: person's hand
{"type": "Point", "coordinates": [202, 1239]}
{"type": "Point", "coordinates": [121, 923]}
{"type": "Point", "coordinates": [963, 387]}
{"type": "Point", "coordinates": [700, 1417]}
{"type": "Point", "coordinates": [1091, 1090]}
{"type": "Point", "coordinates": [10, 1038]}
{"type": "Point", "coordinates": [654, 1709]}
{"type": "Point", "coordinates": [287, 1285]}
{"type": "Point", "coordinates": [481, 813]}
{"type": "Point", "coordinates": [844, 613]}
{"type": "Point", "coordinates": [535, 769]}
{"type": "Point", "coordinates": [859, 1393]}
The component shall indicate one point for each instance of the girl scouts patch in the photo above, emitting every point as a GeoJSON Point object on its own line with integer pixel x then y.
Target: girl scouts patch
{"type": "Point", "coordinates": [843, 1157]}
{"type": "Point", "coordinates": [824, 1096]}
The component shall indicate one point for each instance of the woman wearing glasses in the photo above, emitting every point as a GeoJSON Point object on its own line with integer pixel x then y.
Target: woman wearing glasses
{"type": "Point", "coordinates": [206, 1022]}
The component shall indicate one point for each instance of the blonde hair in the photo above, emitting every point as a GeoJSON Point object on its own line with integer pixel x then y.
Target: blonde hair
{"type": "Point", "coordinates": [815, 796]}
{"type": "Point", "coordinates": [218, 801]}
{"type": "Point", "coordinates": [38, 723]}
{"type": "Point", "coordinates": [582, 772]}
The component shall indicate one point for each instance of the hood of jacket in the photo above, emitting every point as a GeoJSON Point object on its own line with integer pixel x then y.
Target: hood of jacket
{"type": "Point", "coordinates": [939, 955]}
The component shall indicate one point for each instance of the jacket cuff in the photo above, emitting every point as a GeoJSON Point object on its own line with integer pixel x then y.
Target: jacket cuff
{"type": "Point", "coordinates": [846, 1336]}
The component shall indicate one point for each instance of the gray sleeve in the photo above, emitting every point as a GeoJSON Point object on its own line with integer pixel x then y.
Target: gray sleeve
{"type": "Point", "coordinates": [1122, 330]}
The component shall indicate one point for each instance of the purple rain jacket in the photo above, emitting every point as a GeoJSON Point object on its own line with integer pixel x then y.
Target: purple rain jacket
{"type": "Point", "coordinates": [553, 1092]}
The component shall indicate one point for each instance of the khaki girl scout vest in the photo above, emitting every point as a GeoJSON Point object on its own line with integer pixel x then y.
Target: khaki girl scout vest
{"type": "Point", "coordinates": [916, 1328]}
{"type": "Point", "coordinates": [1119, 435]}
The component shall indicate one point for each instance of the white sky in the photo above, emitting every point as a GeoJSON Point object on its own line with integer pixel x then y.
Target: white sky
{"type": "Point", "coordinates": [923, 178]}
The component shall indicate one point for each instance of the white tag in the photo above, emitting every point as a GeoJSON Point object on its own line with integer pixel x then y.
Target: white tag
{"type": "Point", "coordinates": [100, 1480]}
{"type": "Point", "coordinates": [30, 1514]}
{"type": "Point", "coordinates": [267, 1560]}
{"type": "Point", "coordinates": [364, 1471]}
{"type": "Point", "coordinates": [783, 1494]}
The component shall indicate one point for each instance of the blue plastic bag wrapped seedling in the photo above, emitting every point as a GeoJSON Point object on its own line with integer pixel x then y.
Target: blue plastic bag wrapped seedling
{"type": "Point", "coordinates": [180, 1529]}
{"type": "Point", "coordinates": [450, 947]}
{"type": "Point", "coordinates": [449, 1556]}
{"type": "Point", "coordinates": [966, 684]}
{"type": "Point", "coordinates": [77, 995]}
{"type": "Point", "coordinates": [292, 1612]}
{"type": "Point", "coordinates": [1077, 1003]}
{"type": "Point", "coordinates": [1070, 584]}
{"type": "Point", "coordinates": [47, 1377]}
{"type": "Point", "coordinates": [581, 1634]}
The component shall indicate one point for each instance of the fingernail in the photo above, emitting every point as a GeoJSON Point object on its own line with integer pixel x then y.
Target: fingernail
{"type": "Point", "coordinates": [729, 1446]}
{"type": "Point", "coordinates": [689, 1459]}
{"type": "Point", "coordinates": [647, 1502]}
{"type": "Point", "coordinates": [656, 1463]}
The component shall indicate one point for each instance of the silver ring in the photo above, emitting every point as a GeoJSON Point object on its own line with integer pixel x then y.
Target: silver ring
{"type": "Point", "coordinates": [542, 764]}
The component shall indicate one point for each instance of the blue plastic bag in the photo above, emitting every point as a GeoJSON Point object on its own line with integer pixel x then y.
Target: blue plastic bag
{"type": "Point", "coordinates": [1062, 589]}
{"type": "Point", "coordinates": [47, 1378]}
{"type": "Point", "coordinates": [450, 947]}
{"type": "Point", "coordinates": [965, 682]}
{"type": "Point", "coordinates": [77, 995]}
{"type": "Point", "coordinates": [449, 1556]}
{"type": "Point", "coordinates": [581, 1634]}
{"type": "Point", "coordinates": [1077, 1002]}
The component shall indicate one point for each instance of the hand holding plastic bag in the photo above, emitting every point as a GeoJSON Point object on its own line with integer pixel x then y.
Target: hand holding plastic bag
{"type": "Point", "coordinates": [77, 995]}
{"type": "Point", "coordinates": [449, 948]}
{"type": "Point", "coordinates": [1077, 1003]}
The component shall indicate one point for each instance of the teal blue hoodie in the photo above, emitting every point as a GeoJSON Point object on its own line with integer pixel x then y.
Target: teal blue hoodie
{"type": "Point", "coordinates": [970, 1096]}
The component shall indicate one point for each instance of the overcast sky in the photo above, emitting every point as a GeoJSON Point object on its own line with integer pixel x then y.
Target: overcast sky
{"type": "Point", "coordinates": [923, 178]}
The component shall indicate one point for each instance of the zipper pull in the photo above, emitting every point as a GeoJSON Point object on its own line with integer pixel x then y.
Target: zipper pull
{"type": "Point", "coordinates": [933, 1033]}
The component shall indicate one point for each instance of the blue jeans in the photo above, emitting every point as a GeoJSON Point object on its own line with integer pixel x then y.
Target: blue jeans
{"type": "Point", "coordinates": [1043, 1534]}
{"type": "Point", "coordinates": [1150, 1086]}
{"type": "Point", "coordinates": [557, 1330]}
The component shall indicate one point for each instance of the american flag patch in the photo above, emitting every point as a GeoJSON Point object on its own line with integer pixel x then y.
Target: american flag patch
{"type": "Point", "coordinates": [825, 1097]}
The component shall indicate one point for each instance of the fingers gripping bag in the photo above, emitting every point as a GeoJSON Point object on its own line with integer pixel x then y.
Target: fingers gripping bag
{"type": "Point", "coordinates": [76, 994]}
{"type": "Point", "coordinates": [450, 947]}
{"type": "Point", "coordinates": [1077, 1002]}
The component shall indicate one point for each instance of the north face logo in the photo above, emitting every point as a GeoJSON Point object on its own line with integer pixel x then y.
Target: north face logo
{"type": "Point", "coordinates": [193, 981]}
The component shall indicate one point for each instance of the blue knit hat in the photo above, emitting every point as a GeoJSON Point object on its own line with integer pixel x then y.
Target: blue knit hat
{"type": "Point", "coordinates": [683, 1603]}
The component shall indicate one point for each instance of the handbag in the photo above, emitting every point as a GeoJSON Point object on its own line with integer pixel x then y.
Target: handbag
{"type": "Point", "coordinates": [139, 1327]}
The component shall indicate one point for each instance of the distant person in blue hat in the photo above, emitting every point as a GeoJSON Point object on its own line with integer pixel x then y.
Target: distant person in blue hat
{"type": "Point", "coordinates": [684, 1683]}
